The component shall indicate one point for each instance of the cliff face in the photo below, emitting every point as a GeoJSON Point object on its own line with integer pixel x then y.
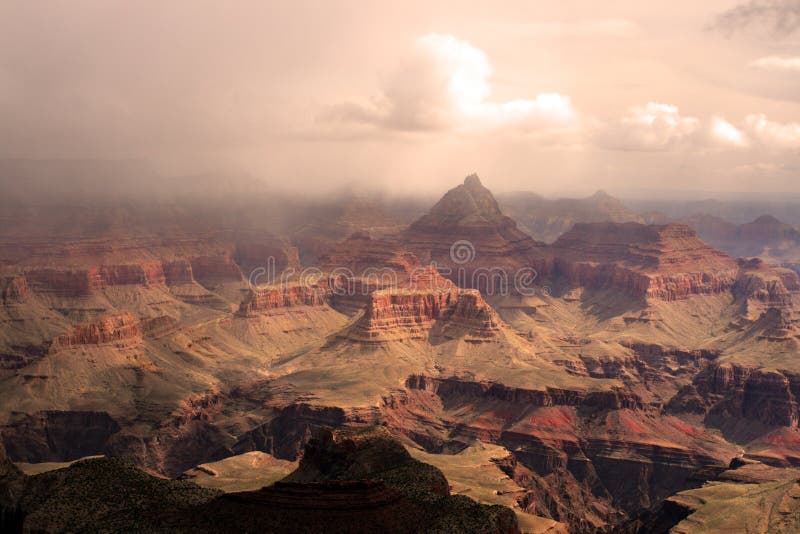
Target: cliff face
{"type": "Point", "coordinates": [729, 393]}
{"type": "Point", "coordinates": [57, 436]}
{"type": "Point", "coordinates": [13, 289]}
{"type": "Point", "coordinates": [115, 328]}
{"type": "Point", "coordinates": [586, 458]}
{"type": "Point", "coordinates": [466, 232]}
{"type": "Point", "coordinates": [394, 315]}
{"type": "Point", "coordinates": [666, 262]}
{"type": "Point", "coordinates": [275, 297]}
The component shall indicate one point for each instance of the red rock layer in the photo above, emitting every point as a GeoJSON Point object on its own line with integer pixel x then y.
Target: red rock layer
{"type": "Point", "coordinates": [360, 265]}
{"type": "Point", "coordinates": [120, 327]}
{"type": "Point", "coordinates": [730, 392]}
{"type": "Point", "coordinates": [473, 316]}
{"type": "Point", "coordinates": [80, 282]}
{"type": "Point", "coordinates": [393, 315]}
{"type": "Point", "coordinates": [401, 314]}
{"type": "Point", "coordinates": [452, 387]}
{"type": "Point", "coordinates": [178, 272]}
{"type": "Point", "coordinates": [274, 297]}
{"type": "Point", "coordinates": [470, 239]}
{"type": "Point", "coordinates": [666, 262]}
{"type": "Point", "coordinates": [65, 283]}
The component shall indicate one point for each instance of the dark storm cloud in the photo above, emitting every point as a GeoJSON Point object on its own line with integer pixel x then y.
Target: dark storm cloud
{"type": "Point", "coordinates": [780, 18]}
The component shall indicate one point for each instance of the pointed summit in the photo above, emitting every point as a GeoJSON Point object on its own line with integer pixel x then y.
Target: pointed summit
{"type": "Point", "coordinates": [466, 204]}
{"type": "Point", "coordinates": [468, 216]}
{"type": "Point", "coordinates": [472, 181]}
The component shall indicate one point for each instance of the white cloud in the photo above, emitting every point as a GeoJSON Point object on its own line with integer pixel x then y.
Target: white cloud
{"type": "Point", "coordinates": [654, 126]}
{"type": "Point", "coordinates": [773, 134]}
{"type": "Point", "coordinates": [725, 133]}
{"type": "Point", "coordinates": [446, 83]}
{"type": "Point", "coordinates": [777, 63]}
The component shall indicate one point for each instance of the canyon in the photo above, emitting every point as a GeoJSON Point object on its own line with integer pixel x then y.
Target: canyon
{"type": "Point", "coordinates": [635, 365]}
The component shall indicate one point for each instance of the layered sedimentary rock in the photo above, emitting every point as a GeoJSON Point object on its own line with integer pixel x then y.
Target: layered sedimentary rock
{"type": "Point", "coordinates": [587, 458]}
{"type": "Point", "coordinates": [401, 314]}
{"type": "Point", "coordinates": [360, 264]}
{"type": "Point", "coordinates": [451, 387]}
{"type": "Point", "coordinates": [470, 239]}
{"type": "Point", "coordinates": [65, 282]}
{"type": "Point", "coordinates": [57, 436]}
{"type": "Point", "coordinates": [394, 315]}
{"type": "Point", "coordinates": [13, 289]}
{"type": "Point", "coordinates": [115, 328]}
{"type": "Point", "coordinates": [731, 392]}
{"type": "Point", "coordinates": [666, 262]}
{"type": "Point", "coordinates": [178, 271]}
{"type": "Point", "coordinates": [283, 296]}
{"type": "Point", "coordinates": [473, 316]}
{"type": "Point", "coordinates": [355, 484]}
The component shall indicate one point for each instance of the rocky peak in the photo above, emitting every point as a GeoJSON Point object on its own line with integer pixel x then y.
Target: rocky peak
{"type": "Point", "coordinates": [768, 220]}
{"type": "Point", "coordinates": [466, 204]}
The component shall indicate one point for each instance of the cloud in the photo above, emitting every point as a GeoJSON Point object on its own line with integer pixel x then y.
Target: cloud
{"type": "Point", "coordinates": [773, 134]}
{"type": "Point", "coordinates": [661, 127]}
{"type": "Point", "coordinates": [724, 133]}
{"type": "Point", "coordinates": [651, 127]}
{"type": "Point", "coordinates": [779, 18]}
{"type": "Point", "coordinates": [777, 63]}
{"type": "Point", "coordinates": [446, 84]}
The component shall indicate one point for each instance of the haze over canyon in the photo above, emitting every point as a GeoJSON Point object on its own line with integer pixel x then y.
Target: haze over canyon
{"type": "Point", "coordinates": [501, 268]}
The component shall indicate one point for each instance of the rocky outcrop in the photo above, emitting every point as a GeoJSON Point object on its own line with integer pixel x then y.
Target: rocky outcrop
{"type": "Point", "coordinates": [470, 240]}
{"type": "Point", "coordinates": [178, 271]}
{"type": "Point", "coordinates": [394, 315]}
{"type": "Point", "coordinates": [452, 387]}
{"type": "Point", "coordinates": [145, 273]}
{"type": "Point", "coordinates": [473, 317]}
{"type": "Point", "coordinates": [401, 314]}
{"type": "Point", "coordinates": [120, 328]}
{"type": "Point", "coordinates": [57, 436]}
{"type": "Point", "coordinates": [587, 458]}
{"type": "Point", "coordinates": [286, 434]}
{"type": "Point", "coordinates": [665, 262]}
{"type": "Point", "coordinates": [355, 484]}
{"type": "Point", "coordinates": [767, 285]}
{"type": "Point", "coordinates": [65, 282]}
{"type": "Point", "coordinates": [13, 289]}
{"type": "Point", "coordinates": [729, 392]}
{"type": "Point", "coordinates": [284, 296]}
{"type": "Point", "coordinates": [360, 265]}
{"type": "Point", "coordinates": [69, 282]}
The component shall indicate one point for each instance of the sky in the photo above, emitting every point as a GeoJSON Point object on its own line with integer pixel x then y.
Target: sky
{"type": "Point", "coordinates": [556, 97]}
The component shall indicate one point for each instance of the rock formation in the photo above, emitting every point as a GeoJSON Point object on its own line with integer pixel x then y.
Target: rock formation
{"type": "Point", "coordinates": [666, 262]}
{"type": "Point", "coordinates": [470, 240]}
{"type": "Point", "coordinates": [116, 328]}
